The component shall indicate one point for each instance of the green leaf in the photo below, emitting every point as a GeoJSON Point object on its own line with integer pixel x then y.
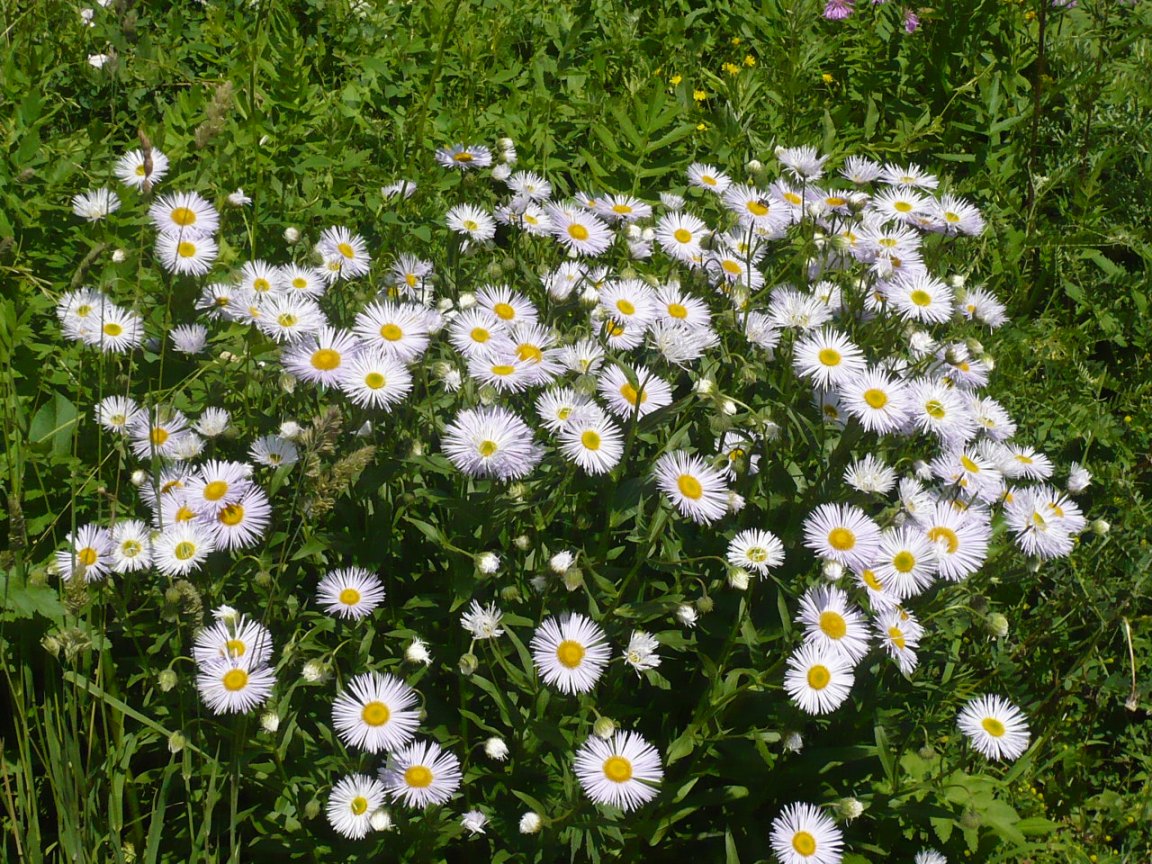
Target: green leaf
{"type": "Point", "coordinates": [54, 423]}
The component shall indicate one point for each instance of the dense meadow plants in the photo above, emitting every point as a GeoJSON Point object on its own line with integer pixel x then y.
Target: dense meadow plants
{"type": "Point", "coordinates": [506, 440]}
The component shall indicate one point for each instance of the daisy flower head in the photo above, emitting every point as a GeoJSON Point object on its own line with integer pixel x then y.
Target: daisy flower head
{"type": "Point", "coordinates": [970, 472]}
{"type": "Point", "coordinates": [995, 727]}
{"type": "Point", "coordinates": [290, 317]}
{"type": "Point", "coordinates": [529, 185]}
{"type": "Point", "coordinates": [422, 774]}
{"type": "Point", "coordinates": [181, 548]}
{"type": "Point", "coordinates": [622, 772]}
{"type": "Point", "coordinates": [956, 216]}
{"type": "Point", "coordinates": [233, 686]}
{"type": "Point", "coordinates": [906, 561]}
{"type": "Point", "coordinates": [376, 712]}
{"type": "Point", "coordinates": [136, 168]}
{"type": "Point", "coordinates": [483, 622]}
{"type": "Point", "coordinates": [242, 522]}
{"type": "Point", "coordinates": [296, 279]}
{"type": "Point", "coordinates": [117, 413]}
{"type": "Point", "coordinates": [95, 204]}
{"type": "Point", "coordinates": [708, 177]}
{"type": "Point", "coordinates": [184, 213]}
{"type": "Point", "coordinates": [350, 592]}
{"type": "Point", "coordinates": [90, 554]}
{"type": "Point", "coordinates": [960, 538]}
{"type": "Point", "coordinates": [641, 651]}
{"type": "Point", "coordinates": [929, 856]}
{"type": "Point", "coordinates": [695, 488]}
{"type": "Point", "coordinates": [156, 431]}
{"type": "Point", "coordinates": [558, 409]}
{"type": "Point", "coordinates": [349, 251]}
{"type": "Point", "coordinates": [649, 393]}
{"type": "Point", "coordinates": [234, 637]}
{"type": "Point", "coordinates": [401, 189]}
{"type": "Point", "coordinates": [876, 399]}
{"type": "Point", "coordinates": [261, 278]}
{"type": "Point", "coordinates": [803, 834]}
{"type": "Point", "coordinates": [187, 254]}
{"type": "Point", "coordinates": [920, 297]}
{"type": "Point", "coordinates": [860, 170]}
{"type": "Point", "coordinates": [830, 624]}
{"type": "Point", "coordinates": [490, 442]}
{"type": "Point", "coordinates": [941, 410]}
{"type": "Point", "coordinates": [502, 369]}
{"type": "Point", "coordinates": [581, 232]}
{"type": "Point", "coordinates": [757, 210]}
{"type": "Point", "coordinates": [464, 157]}
{"type": "Point", "coordinates": [870, 475]}
{"type": "Point", "coordinates": [805, 164]}
{"type": "Point", "coordinates": [593, 442]}
{"type": "Point", "coordinates": [755, 550]}
{"type": "Point", "coordinates": [320, 357]}
{"type": "Point", "coordinates": [908, 176]}
{"type": "Point", "coordinates": [507, 305]}
{"type": "Point", "coordinates": [189, 339]}
{"type": "Point", "coordinates": [842, 533]}
{"type": "Point", "coordinates": [409, 274]}
{"type": "Point", "coordinates": [980, 304]}
{"type": "Point", "coordinates": [680, 235]}
{"type": "Point", "coordinates": [352, 803]}
{"type": "Point", "coordinates": [818, 680]}
{"type": "Point", "coordinates": [676, 307]}
{"type": "Point", "coordinates": [622, 208]}
{"type": "Point", "coordinates": [473, 223]}
{"type": "Point", "coordinates": [131, 546]}
{"type": "Point", "coordinates": [570, 652]}
{"type": "Point", "coordinates": [1044, 521]}
{"type": "Point", "coordinates": [217, 482]}
{"type": "Point", "coordinates": [374, 379]}
{"type": "Point", "coordinates": [273, 451]}
{"type": "Point", "coordinates": [585, 357]}
{"type": "Point", "coordinates": [827, 358]}
{"type": "Point", "coordinates": [629, 301]}
{"type": "Point", "coordinates": [899, 632]}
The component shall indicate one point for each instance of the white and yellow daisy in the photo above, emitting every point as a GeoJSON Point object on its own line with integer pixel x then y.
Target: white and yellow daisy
{"type": "Point", "coordinates": [139, 167]}
{"type": "Point", "coordinates": [352, 803]}
{"type": "Point", "coordinates": [802, 834]}
{"type": "Point", "coordinates": [235, 637]}
{"type": "Point", "coordinates": [995, 726]}
{"type": "Point", "coordinates": [680, 235]}
{"type": "Point", "coordinates": [95, 204]}
{"type": "Point", "coordinates": [190, 253]}
{"type": "Point", "coordinates": [472, 222]}
{"type": "Point", "coordinates": [376, 712]}
{"type": "Point", "coordinates": [920, 297]}
{"type": "Point", "coordinates": [483, 622]}
{"type": "Point", "coordinates": [478, 330]}
{"type": "Point", "coordinates": [464, 157]}
{"type": "Point", "coordinates": [241, 522]}
{"type": "Point", "coordinates": [350, 592]}
{"type": "Point", "coordinates": [899, 632]}
{"type": "Point", "coordinates": [156, 431]}
{"type": "Point", "coordinates": [217, 482]}
{"type": "Point", "coordinates": [490, 442]}
{"type": "Point", "coordinates": [906, 561]}
{"type": "Point", "coordinates": [876, 399]}
{"type": "Point", "coordinates": [182, 547]}
{"type": "Point", "coordinates": [842, 533]}
{"type": "Point", "coordinates": [960, 538]}
{"type": "Point", "coordinates": [593, 442]}
{"type": "Point", "coordinates": [507, 305]}
{"type": "Point", "coordinates": [629, 301]}
{"type": "Point", "coordinates": [397, 329]}
{"type": "Point", "coordinates": [818, 680]}
{"type": "Point", "coordinates": [231, 686]}
{"type": "Point", "coordinates": [622, 771]}
{"type": "Point", "coordinates": [183, 214]}
{"type": "Point", "coordinates": [297, 279]}
{"type": "Point", "coordinates": [708, 177]}
{"type": "Point", "coordinates": [559, 408]}
{"type": "Point", "coordinates": [345, 254]}
{"type": "Point", "coordinates": [374, 379]}
{"type": "Point", "coordinates": [755, 550]}
{"type": "Point", "coordinates": [570, 652]}
{"type": "Point", "coordinates": [832, 625]}
{"type": "Point", "coordinates": [827, 358]}
{"type": "Point", "coordinates": [625, 399]}
{"type": "Point", "coordinates": [695, 488]}
{"type": "Point", "coordinates": [581, 232]}
{"type": "Point", "coordinates": [273, 451]}
{"type": "Point", "coordinates": [131, 546]}
{"type": "Point", "coordinates": [319, 357]}
{"type": "Point", "coordinates": [90, 554]}
{"type": "Point", "coordinates": [422, 774]}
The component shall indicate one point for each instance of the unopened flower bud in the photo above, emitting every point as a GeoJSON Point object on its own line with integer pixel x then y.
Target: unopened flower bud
{"type": "Point", "coordinates": [849, 809]}
{"type": "Point", "coordinates": [832, 570]}
{"type": "Point", "coordinates": [312, 809]}
{"type": "Point", "coordinates": [176, 742]}
{"type": "Point", "coordinates": [704, 604]}
{"type": "Point", "coordinates": [969, 819]}
{"type": "Point", "coordinates": [1101, 527]}
{"type": "Point", "coordinates": [604, 727]}
{"type": "Point", "coordinates": [496, 748]}
{"type": "Point", "coordinates": [997, 625]}
{"type": "Point", "coordinates": [573, 579]}
{"type": "Point", "coordinates": [738, 578]}
{"type": "Point", "coordinates": [292, 235]}
{"type": "Point", "coordinates": [793, 742]}
{"type": "Point", "coordinates": [468, 664]}
{"type": "Point", "coordinates": [687, 615]}
{"type": "Point", "coordinates": [314, 671]}
{"type": "Point", "coordinates": [522, 542]}
{"type": "Point", "coordinates": [119, 256]}
{"type": "Point", "coordinates": [754, 166]}
{"type": "Point", "coordinates": [269, 721]}
{"type": "Point", "coordinates": [167, 680]}
{"type": "Point", "coordinates": [381, 820]}
{"type": "Point", "coordinates": [510, 594]}
{"type": "Point", "coordinates": [488, 563]}
{"type": "Point", "coordinates": [530, 823]}
{"type": "Point", "coordinates": [139, 478]}
{"type": "Point", "coordinates": [466, 300]}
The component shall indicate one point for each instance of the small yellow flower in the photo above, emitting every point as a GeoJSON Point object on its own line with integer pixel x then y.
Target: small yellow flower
{"type": "Point", "coordinates": [731, 68]}
{"type": "Point", "coordinates": [699, 95]}
{"type": "Point", "coordinates": [674, 80]}
{"type": "Point", "coordinates": [827, 78]}
{"type": "Point", "coordinates": [1030, 15]}
{"type": "Point", "coordinates": [735, 40]}
{"type": "Point", "coordinates": [701, 127]}
{"type": "Point", "coordinates": [749, 60]}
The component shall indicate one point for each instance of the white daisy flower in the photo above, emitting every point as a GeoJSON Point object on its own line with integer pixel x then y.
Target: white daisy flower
{"type": "Point", "coordinates": [399, 330]}
{"type": "Point", "coordinates": [831, 625]}
{"type": "Point", "coordinates": [131, 546]}
{"type": "Point", "coordinates": [899, 632]}
{"type": "Point", "coordinates": [422, 774]}
{"type": "Point", "coordinates": [995, 726]}
{"type": "Point", "coordinates": [233, 637]}
{"type": "Point", "coordinates": [273, 451]}
{"type": "Point", "coordinates": [706, 177]}
{"type": "Point", "coordinates": [755, 550]}
{"type": "Point", "coordinates": [581, 232]}
{"type": "Point", "coordinates": [592, 441]}
{"type": "Point", "coordinates": [490, 442]}
{"type": "Point", "coordinates": [803, 834]}
{"type": "Point", "coordinates": [877, 400]}
{"type": "Point", "coordinates": [241, 523]}
{"type": "Point", "coordinates": [641, 651]}
{"type": "Point", "coordinates": [870, 475]}
{"type": "Point", "coordinates": [376, 712]}
{"type": "Point", "coordinates": [472, 222]}
{"type": "Point", "coordinates": [680, 235]}
{"type": "Point", "coordinates": [373, 379]}
{"type": "Point", "coordinates": [95, 204]}
{"type": "Point", "coordinates": [960, 538]}
{"type": "Point", "coordinates": [350, 592]}
{"type": "Point", "coordinates": [183, 214]}
{"type": "Point", "coordinates": [232, 686]}
{"type": "Point", "coordinates": [696, 489]}
{"type": "Point", "coordinates": [827, 358]}
{"type": "Point", "coordinates": [345, 254]}
{"type": "Point", "coordinates": [319, 357]}
{"type": "Point", "coordinates": [139, 167]}
{"type": "Point", "coordinates": [818, 680]}
{"type": "Point", "coordinates": [622, 772]}
{"type": "Point", "coordinates": [483, 622]}
{"type": "Point", "coordinates": [190, 253]}
{"type": "Point", "coordinates": [352, 803]}
{"type": "Point", "coordinates": [625, 399]}
{"type": "Point", "coordinates": [117, 413]}
{"type": "Point", "coordinates": [842, 533]}
{"type": "Point", "coordinates": [182, 547]}
{"type": "Point", "coordinates": [90, 554]}
{"type": "Point", "coordinates": [570, 652]}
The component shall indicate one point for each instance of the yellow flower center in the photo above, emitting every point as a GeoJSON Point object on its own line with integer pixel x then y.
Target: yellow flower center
{"type": "Point", "coordinates": [140, 172]}
{"type": "Point", "coordinates": [130, 548]}
{"type": "Point", "coordinates": [570, 653]}
{"type": "Point", "coordinates": [706, 179]}
{"type": "Point", "coordinates": [617, 769]}
{"type": "Point", "coordinates": [841, 539]}
{"type": "Point", "coordinates": [625, 307]}
{"type": "Point", "coordinates": [359, 805]}
{"type": "Point", "coordinates": [112, 329]}
{"type": "Point", "coordinates": [829, 357]}
{"type": "Point", "coordinates": [215, 490]}
{"type": "Point", "coordinates": [897, 637]}
{"type": "Point", "coordinates": [993, 727]}
{"type": "Point", "coordinates": [235, 679]}
{"type": "Point", "coordinates": [590, 439]}
{"type": "Point", "coordinates": [819, 677]}
{"type": "Point", "coordinates": [503, 369]}
{"type": "Point", "coordinates": [529, 353]}
{"type": "Point", "coordinates": [349, 596]}
{"type": "Point", "coordinates": [479, 334]}
{"type": "Point", "coordinates": [326, 359]}
{"type": "Point", "coordinates": [682, 235]}
{"type": "Point", "coordinates": [833, 624]}
{"type": "Point", "coordinates": [184, 550]}
{"type": "Point", "coordinates": [186, 249]}
{"type": "Point", "coordinates": [463, 156]}
{"type": "Point", "coordinates": [470, 225]}
{"type": "Point", "coordinates": [392, 332]}
{"type": "Point", "coordinates": [418, 777]}
{"type": "Point", "coordinates": [804, 843]}
{"type": "Point", "coordinates": [375, 714]}
{"type": "Point", "coordinates": [231, 515]}
{"type": "Point", "coordinates": [757, 554]}
{"type": "Point", "coordinates": [346, 250]}
{"type": "Point", "coordinates": [835, 201]}
{"type": "Point", "coordinates": [632, 396]}
{"type": "Point", "coordinates": [902, 207]}
{"type": "Point", "coordinates": [622, 209]}
{"type": "Point", "coordinates": [969, 465]}
{"type": "Point", "coordinates": [504, 311]}
{"type": "Point", "coordinates": [261, 284]}
{"type": "Point", "coordinates": [159, 435]}
{"type": "Point", "coordinates": [869, 577]}
{"type": "Point", "coordinates": [184, 514]}
{"type": "Point", "coordinates": [374, 380]}
{"type": "Point", "coordinates": [287, 319]}
{"type": "Point", "coordinates": [934, 409]}
{"type": "Point", "coordinates": [904, 561]}
{"type": "Point", "coordinates": [946, 534]}
{"type": "Point", "coordinates": [184, 217]}
{"type": "Point", "coordinates": [690, 487]}
{"type": "Point", "coordinates": [487, 448]}
{"type": "Point", "coordinates": [876, 398]}
{"type": "Point", "coordinates": [235, 648]}
{"type": "Point", "coordinates": [757, 208]}
{"type": "Point", "coordinates": [299, 283]}
{"type": "Point", "coordinates": [577, 231]}
{"type": "Point", "coordinates": [87, 556]}
{"type": "Point", "coordinates": [920, 298]}
{"type": "Point", "coordinates": [793, 199]}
